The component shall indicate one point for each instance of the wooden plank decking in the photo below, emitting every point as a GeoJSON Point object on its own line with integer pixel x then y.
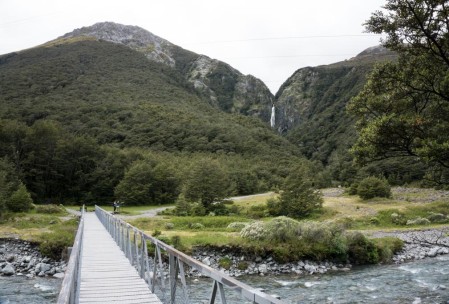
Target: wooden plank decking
{"type": "Point", "coordinates": [106, 274]}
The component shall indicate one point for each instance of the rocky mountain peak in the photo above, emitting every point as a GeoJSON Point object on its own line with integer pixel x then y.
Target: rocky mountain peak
{"type": "Point", "coordinates": [154, 47]}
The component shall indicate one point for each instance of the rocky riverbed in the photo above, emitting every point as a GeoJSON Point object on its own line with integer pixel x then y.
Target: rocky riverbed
{"type": "Point", "coordinates": [417, 245]}
{"type": "Point", "coordinates": [22, 258]}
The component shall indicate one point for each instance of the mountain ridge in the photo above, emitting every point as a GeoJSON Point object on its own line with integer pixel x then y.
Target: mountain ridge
{"type": "Point", "coordinates": [224, 86]}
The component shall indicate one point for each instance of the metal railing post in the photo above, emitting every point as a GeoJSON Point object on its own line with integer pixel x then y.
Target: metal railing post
{"type": "Point", "coordinates": [120, 231]}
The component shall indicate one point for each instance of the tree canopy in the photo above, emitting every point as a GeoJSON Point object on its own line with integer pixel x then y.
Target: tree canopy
{"type": "Point", "coordinates": [403, 109]}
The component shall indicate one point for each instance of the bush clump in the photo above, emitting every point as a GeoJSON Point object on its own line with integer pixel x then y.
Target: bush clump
{"type": "Point", "coordinates": [437, 217]}
{"type": "Point", "coordinates": [49, 209]}
{"type": "Point", "coordinates": [20, 200]}
{"type": "Point", "coordinates": [237, 225]}
{"type": "Point", "coordinates": [169, 226]}
{"type": "Point", "coordinates": [52, 244]}
{"type": "Point", "coordinates": [197, 226]}
{"type": "Point", "coordinates": [398, 218]}
{"type": "Point", "coordinates": [291, 240]}
{"type": "Point", "coordinates": [254, 231]}
{"type": "Point", "coordinates": [225, 263]}
{"type": "Point", "coordinates": [371, 187]}
{"type": "Point", "coordinates": [418, 221]}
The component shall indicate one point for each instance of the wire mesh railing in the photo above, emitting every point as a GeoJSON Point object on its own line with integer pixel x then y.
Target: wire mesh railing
{"type": "Point", "coordinates": [137, 245]}
{"type": "Point", "coordinates": [71, 282]}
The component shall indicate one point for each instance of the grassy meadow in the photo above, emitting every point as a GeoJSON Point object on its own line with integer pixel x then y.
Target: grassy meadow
{"type": "Point", "coordinates": [186, 232]}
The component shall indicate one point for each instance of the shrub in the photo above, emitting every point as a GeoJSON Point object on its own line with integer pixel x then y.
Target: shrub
{"type": "Point", "coordinates": [176, 242]}
{"type": "Point", "coordinates": [225, 263]}
{"type": "Point", "coordinates": [237, 225]}
{"type": "Point", "coordinates": [242, 265]}
{"type": "Point", "coordinates": [254, 231]}
{"type": "Point", "coordinates": [52, 244]}
{"type": "Point", "coordinates": [371, 187]}
{"type": "Point", "coordinates": [169, 226]}
{"type": "Point", "coordinates": [361, 250]}
{"type": "Point", "coordinates": [197, 226]}
{"type": "Point", "coordinates": [274, 206]}
{"type": "Point", "coordinates": [218, 209]}
{"type": "Point", "coordinates": [352, 190]}
{"type": "Point", "coordinates": [281, 229]}
{"type": "Point", "coordinates": [156, 233]}
{"type": "Point", "coordinates": [183, 208]}
{"type": "Point", "coordinates": [374, 221]}
{"type": "Point", "coordinates": [257, 211]}
{"type": "Point", "coordinates": [437, 217]}
{"type": "Point", "coordinates": [398, 218]}
{"type": "Point", "coordinates": [282, 254]}
{"type": "Point", "coordinates": [387, 247]}
{"type": "Point", "coordinates": [197, 209]}
{"type": "Point", "coordinates": [49, 209]}
{"type": "Point", "coordinates": [418, 221]}
{"type": "Point", "coordinates": [20, 200]}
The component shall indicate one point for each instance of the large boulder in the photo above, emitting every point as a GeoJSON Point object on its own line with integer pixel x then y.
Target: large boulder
{"type": "Point", "coordinates": [8, 269]}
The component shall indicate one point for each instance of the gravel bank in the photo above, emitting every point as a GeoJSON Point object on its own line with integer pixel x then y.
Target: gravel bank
{"type": "Point", "coordinates": [22, 258]}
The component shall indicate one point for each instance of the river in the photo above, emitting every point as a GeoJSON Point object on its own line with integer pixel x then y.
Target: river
{"type": "Point", "coordinates": [420, 282]}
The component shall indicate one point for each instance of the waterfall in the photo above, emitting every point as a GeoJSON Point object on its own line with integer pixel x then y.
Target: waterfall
{"type": "Point", "coordinates": [272, 120]}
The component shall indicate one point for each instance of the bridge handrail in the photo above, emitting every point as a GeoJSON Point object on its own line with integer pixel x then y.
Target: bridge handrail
{"type": "Point", "coordinates": [70, 283]}
{"type": "Point", "coordinates": [121, 232]}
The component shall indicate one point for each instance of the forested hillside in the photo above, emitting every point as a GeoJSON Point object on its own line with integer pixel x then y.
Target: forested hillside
{"type": "Point", "coordinates": [77, 113]}
{"type": "Point", "coordinates": [311, 113]}
{"type": "Point", "coordinates": [217, 82]}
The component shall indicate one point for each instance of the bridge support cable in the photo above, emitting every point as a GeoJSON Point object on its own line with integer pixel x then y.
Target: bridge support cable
{"type": "Point", "coordinates": [136, 245]}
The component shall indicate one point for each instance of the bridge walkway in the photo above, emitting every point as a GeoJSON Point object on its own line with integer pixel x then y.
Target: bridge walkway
{"type": "Point", "coordinates": [106, 274]}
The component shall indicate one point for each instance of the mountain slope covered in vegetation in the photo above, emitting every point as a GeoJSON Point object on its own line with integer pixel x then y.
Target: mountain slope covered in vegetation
{"type": "Point", "coordinates": [223, 86]}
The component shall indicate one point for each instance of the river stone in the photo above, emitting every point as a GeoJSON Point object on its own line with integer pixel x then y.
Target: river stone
{"type": "Point", "coordinates": [433, 252]}
{"type": "Point", "coordinates": [59, 275]}
{"type": "Point", "coordinates": [32, 263]}
{"type": "Point", "coordinates": [10, 258]}
{"type": "Point", "coordinates": [206, 261]}
{"type": "Point", "coordinates": [310, 268]}
{"type": "Point", "coordinates": [263, 268]}
{"type": "Point", "coordinates": [8, 269]}
{"type": "Point", "coordinates": [42, 267]}
{"type": "Point", "coordinates": [443, 250]}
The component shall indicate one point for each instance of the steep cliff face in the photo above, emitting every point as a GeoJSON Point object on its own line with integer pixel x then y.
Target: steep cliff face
{"type": "Point", "coordinates": [311, 104]}
{"type": "Point", "coordinates": [223, 86]}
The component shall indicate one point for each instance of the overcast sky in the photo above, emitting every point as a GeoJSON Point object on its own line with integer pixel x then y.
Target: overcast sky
{"type": "Point", "coordinates": [269, 39]}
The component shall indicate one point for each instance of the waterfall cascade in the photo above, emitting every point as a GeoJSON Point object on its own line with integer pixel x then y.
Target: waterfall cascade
{"type": "Point", "coordinates": [273, 119]}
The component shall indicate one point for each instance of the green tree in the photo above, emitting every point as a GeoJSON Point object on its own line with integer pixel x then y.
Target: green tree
{"type": "Point", "coordinates": [372, 186]}
{"type": "Point", "coordinates": [20, 200]}
{"type": "Point", "coordinates": [207, 182]}
{"type": "Point", "coordinates": [403, 109]}
{"type": "Point", "coordinates": [9, 182]}
{"type": "Point", "coordinates": [148, 183]}
{"type": "Point", "coordinates": [299, 197]}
